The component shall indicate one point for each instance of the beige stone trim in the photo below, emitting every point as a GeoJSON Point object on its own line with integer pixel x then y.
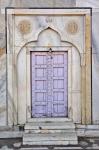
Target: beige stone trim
{"type": "Point", "coordinates": [2, 51]}
{"type": "Point", "coordinates": [83, 94]}
{"type": "Point", "coordinates": [48, 11]}
{"type": "Point", "coordinates": [88, 68]}
{"type": "Point", "coordinates": [86, 75]}
{"type": "Point", "coordinates": [15, 97]}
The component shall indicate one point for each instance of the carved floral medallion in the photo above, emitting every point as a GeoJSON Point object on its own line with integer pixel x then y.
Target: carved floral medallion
{"type": "Point", "coordinates": [24, 27]}
{"type": "Point", "coordinates": [72, 27]}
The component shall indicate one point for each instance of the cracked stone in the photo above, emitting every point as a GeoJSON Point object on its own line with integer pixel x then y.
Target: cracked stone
{"type": "Point", "coordinates": [83, 143]}
{"type": "Point", "coordinates": [6, 148]}
{"type": "Point", "coordinates": [17, 145]}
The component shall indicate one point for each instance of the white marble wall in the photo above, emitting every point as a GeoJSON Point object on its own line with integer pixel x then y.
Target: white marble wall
{"type": "Point", "coordinates": [95, 65]}
{"type": "Point", "coordinates": [2, 72]}
{"type": "Point", "coordinates": [37, 3]}
{"type": "Point", "coordinates": [95, 54]}
{"type": "Point", "coordinates": [2, 90]}
{"type": "Point", "coordinates": [87, 3]}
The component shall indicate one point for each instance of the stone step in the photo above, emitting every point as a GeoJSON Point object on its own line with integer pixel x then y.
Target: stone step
{"type": "Point", "coordinates": [49, 126]}
{"type": "Point", "coordinates": [49, 120]}
{"type": "Point", "coordinates": [49, 131]}
{"type": "Point", "coordinates": [50, 139]}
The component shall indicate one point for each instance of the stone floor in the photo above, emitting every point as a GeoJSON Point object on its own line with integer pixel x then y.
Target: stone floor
{"type": "Point", "coordinates": [16, 144]}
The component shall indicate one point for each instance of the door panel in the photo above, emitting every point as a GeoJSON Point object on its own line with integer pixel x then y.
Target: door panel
{"type": "Point", "coordinates": [49, 84]}
{"type": "Point", "coordinates": [39, 84]}
{"type": "Point", "coordinates": [59, 84]}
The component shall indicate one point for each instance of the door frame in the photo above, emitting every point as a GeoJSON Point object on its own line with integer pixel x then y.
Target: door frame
{"type": "Point", "coordinates": [67, 49]}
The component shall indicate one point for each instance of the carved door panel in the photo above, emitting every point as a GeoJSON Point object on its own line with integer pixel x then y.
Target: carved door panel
{"type": "Point", "coordinates": [49, 84]}
{"type": "Point", "coordinates": [59, 84]}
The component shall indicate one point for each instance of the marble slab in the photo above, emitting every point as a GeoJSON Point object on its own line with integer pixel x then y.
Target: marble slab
{"type": "Point", "coordinates": [2, 90]}
{"type": "Point", "coordinates": [37, 3]}
{"type": "Point", "coordinates": [87, 3]}
{"type": "Point", "coordinates": [95, 67]}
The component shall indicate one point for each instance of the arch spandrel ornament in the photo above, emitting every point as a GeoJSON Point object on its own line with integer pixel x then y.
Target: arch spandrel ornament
{"type": "Point", "coordinates": [51, 28]}
{"type": "Point", "coordinates": [50, 37]}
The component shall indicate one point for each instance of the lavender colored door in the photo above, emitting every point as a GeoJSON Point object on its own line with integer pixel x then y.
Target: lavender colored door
{"type": "Point", "coordinates": [49, 84]}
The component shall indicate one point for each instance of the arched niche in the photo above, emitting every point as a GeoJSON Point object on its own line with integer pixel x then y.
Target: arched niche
{"type": "Point", "coordinates": [48, 38]}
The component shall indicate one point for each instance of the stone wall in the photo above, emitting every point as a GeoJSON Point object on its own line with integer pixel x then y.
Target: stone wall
{"type": "Point", "coordinates": [2, 71]}
{"type": "Point", "coordinates": [51, 3]}
{"type": "Point", "coordinates": [95, 55]}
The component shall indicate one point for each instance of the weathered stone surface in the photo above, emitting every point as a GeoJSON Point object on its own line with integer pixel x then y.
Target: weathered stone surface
{"type": "Point", "coordinates": [11, 134]}
{"type": "Point", "coordinates": [50, 133]}
{"type": "Point", "coordinates": [6, 148]}
{"type": "Point", "coordinates": [83, 143]}
{"type": "Point", "coordinates": [87, 3]}
{"type": "Point", "coordinates": [35, 148]}
{"type": "Point", "coordinates": [8, 144]}
{"type": "Point", "coordinates": [95, 55]}
{"type": "Point", "coordinates": [49, 126]}
{"type": "Point", "coordinates": [17, 145]}
{"type": "Point", "coordinates": [2, 90]}
{"type": "Point", "coordinates": [37, 3]}
{"type": "Point", "coordinates": [2, 32]}
{"type": "Point", "coordinates": [95, 68]}
{"type": "Point", "coordinates": [50, 139]}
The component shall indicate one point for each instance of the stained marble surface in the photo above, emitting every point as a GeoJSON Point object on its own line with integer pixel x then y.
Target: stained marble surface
{"type": "Point", "coordinates": [2, 31]}
{"type": "Point", "coordinates": [37, 3]}
{"type": "Point", "coordinates": [95, 67]}
{"type": "Point", "coordinates": [95, 55]}
{"type": "Point", "coordinates": [84, 143]}
{"type": "Point", "coordinates": [2, 90]}
{"type": "Point", "coordinates": [87, 3]}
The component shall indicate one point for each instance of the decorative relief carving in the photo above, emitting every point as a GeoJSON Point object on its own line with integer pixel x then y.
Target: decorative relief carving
{"type": "Point", "coordinates": [24, 27]}
{"type": "Point", "coordinates": [48, 19]}
{"type": "Point", "coordinates": [72, 27]}
{"type": "Point", "coordinates": [49, 81]}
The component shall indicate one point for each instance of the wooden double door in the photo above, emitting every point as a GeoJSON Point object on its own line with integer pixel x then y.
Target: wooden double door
{"type": "Point", "coordinates": [49, 94]}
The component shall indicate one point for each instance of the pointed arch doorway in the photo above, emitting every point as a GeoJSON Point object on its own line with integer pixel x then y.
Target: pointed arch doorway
{"type": "Point", "coordinates": [48, 58]}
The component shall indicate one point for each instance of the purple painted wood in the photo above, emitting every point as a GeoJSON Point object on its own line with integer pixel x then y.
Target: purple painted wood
{"type": "Point", "coordinates": [49, 84]}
